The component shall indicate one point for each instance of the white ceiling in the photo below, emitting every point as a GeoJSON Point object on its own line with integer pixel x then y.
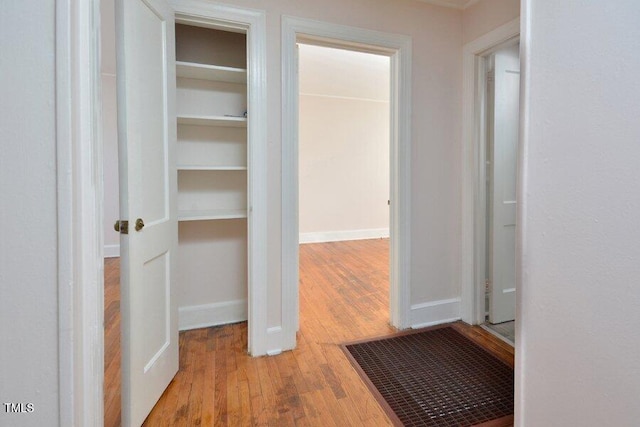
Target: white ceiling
{"type": "Point", "coordinates": [456, 4]}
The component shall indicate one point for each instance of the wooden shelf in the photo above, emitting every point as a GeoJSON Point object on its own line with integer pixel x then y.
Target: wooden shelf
{"type": "Point", "coordinates": [211, 215]}
{"type": "Point", "coordinates": [210, 168]}
{"type": "Point", "coordinates": [222, 121]}
{"type": "Point", "coordinates": [192, 70]}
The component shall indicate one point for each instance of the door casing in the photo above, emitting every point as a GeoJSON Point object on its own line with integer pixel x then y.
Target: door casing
{"type": "Point", "coordinates": [253, 23]}
{"type": "Point", "coordinates": [80, 204]}
{"type": "Point", "coordinates": [474, 160]}
{"type": "Point", "coordinates": [80, 195]}
{"type": "Point", "coordinates": [398, 48]}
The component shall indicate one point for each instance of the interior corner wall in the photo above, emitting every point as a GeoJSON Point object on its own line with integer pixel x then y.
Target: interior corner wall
{"type": "Point", "coordinates": [577, 350]}
{"type": "Point", "coordinates": [343, 145]}
{"type": "Point", "coordinates": [486, 15]}
{"type": "Point", "coordinates": [28, 216]}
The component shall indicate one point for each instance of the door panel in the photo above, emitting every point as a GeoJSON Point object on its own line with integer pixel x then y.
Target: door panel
{"type": "Point", "coordinates": [147, 134]}
{"type": "Point", "coordinates": [503, 204]}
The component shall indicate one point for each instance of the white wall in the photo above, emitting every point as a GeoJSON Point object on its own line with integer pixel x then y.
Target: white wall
{"type": "Point", "coordinates": [109, 128]}
{"type": "Point", "coordinates": [578, 336]}
{"type": "Point", "coordinates": [343, 144]}
{"type": "Point", "coordinates": [437, 40]}
{"type": "Point", "coordinates": [486, 15]}
{"type": "Point", "coordinates": [436, 103]}
{"type": "Point", "coordinates": [579, 293]}
{"type": "Point", "coordinates": [28, 221]}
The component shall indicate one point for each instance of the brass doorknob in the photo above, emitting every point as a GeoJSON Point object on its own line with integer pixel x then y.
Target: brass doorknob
{"type": "Point", "coordinates": [121, 226]}
{"type": "Point", "coordinates": [139, 224]}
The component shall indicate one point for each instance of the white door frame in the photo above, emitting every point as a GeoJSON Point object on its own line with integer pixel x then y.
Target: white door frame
{"type": "Point", "coordinates": [474, 170]}
{"type": "Point", "coordinates": [398, 48]}
{"type": "Point", "coordinates": [80, 198]}
{"type": "Point", "coordinates": [254, 23]}
{"type": "Point", "coordinates": [80, 210]}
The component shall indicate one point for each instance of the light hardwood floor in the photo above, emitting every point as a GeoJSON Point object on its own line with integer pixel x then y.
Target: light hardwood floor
{"type": "Point", "coordinates": [344, 296]}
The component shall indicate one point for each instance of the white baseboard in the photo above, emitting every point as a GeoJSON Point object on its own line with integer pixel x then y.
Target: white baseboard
{"type": "Point", "coordinates": [204, 316]}
{"type": "Point", "coordinates": [339, 236]}
{"type": "Point", "coordinates": [434, 313]}
{"type": "Point", "coordinates": [111, 251]}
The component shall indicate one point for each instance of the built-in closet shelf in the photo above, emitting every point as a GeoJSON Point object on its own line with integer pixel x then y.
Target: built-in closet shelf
{"type": "Point", "coordinates": [210, 168]}
{"type": "Point", "coordinates": [222, 121]}
{"type": "Point", "coordinates": [193, 70]}
{"type": "Point", "coordinates": [212, 214]}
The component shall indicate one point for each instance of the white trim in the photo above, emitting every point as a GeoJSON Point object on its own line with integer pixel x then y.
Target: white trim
{"type": "Point", "coordinates": [473, 192]}
{"type": "Point", "coordinates": [206, 315]}
{"type": "Point", "coordinates": [345, 98]}
{"type": "Point", "coordinates": [274, 339]}
{"type": "Point", "coordinates": [521, 218]}
{"type": "Point", "coordinates": [435, 313]}
{"type": "Point", "coordinates": [79, 205]}
{"type": "Point", "coordinates": [79, 200]}
{"type": "Point", "coordinates": [111, 251]}
{"type": "Point", "coordinates": [470, 3]}
{"type": "Point", "coordinates": [451, 4]}
{"type": "Point", "coordinates": [340, 236]}
{"type": "Point", "coordinates": [254, 23]}
{"type": "Point", "coordinates": [398, 48]}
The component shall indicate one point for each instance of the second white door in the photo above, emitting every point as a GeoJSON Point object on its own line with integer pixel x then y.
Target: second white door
{"type": "Point", "coordinates": [503, 177]}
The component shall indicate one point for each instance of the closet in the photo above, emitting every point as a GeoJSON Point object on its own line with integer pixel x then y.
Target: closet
{"type": "Point", "coordinates": [192, 168]}
{"type": "Point", "coordinates": [211, 162]}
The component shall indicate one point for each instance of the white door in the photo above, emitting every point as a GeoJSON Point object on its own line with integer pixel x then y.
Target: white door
{"type": "Point", "coordinates": [147, 133]}
{"type": "Point", "coordinates": [503, 158]}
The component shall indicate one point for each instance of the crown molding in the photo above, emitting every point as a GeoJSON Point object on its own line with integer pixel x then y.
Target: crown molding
{"type": "Point", "coordinates": [452, 4]}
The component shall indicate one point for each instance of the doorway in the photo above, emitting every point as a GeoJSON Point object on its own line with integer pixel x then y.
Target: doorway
{"type": "Point", "coordinates": [398, 49]}
{"type": "Point", "coordinates": [229, 145]}
{"type": "Point", "coordinates": [502, 88]}
{"type": "Point", "coordinates": [344, 162]}
{"type": "Point", "coordinates": [474, 190]}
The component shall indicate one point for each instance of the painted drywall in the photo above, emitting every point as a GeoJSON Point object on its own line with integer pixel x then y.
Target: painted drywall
{"type": "Point", "coordinates": [436, 104]}
{"type": "Point", "coordinates": [436, 33]}
{"type": "Point", "coordinates": [28, 220]}
{"type": "Point", "coordinates": [212, 259]}
{"type": "Point", "coordinates": [340, 73]}
{"type": "Point", "coordinates": [109, 128]}
{"type": "Point", "coordinates": [578, 337]}
{"type": "Point", "coordinates": [110, 158]}
{"type": "Point", "coordinates": [343, 144]}
{"type": "Point", "coordinates": [486, 15]}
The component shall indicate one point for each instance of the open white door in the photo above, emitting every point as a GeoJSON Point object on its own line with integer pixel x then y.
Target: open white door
{"type": "Point", "coordinates": [147, 133]}
{"type": "Point", "coordinates": [502, 236]}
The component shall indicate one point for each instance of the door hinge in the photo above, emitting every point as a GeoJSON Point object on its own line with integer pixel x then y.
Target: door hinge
{"type": "Point", "coordinates": [121, 226]}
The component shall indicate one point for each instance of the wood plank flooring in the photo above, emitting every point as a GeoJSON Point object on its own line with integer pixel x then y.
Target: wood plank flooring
{"type": "Point", "coordinates": [112, 362]}
{"type": "Point", "coordinates": [344, 296]}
